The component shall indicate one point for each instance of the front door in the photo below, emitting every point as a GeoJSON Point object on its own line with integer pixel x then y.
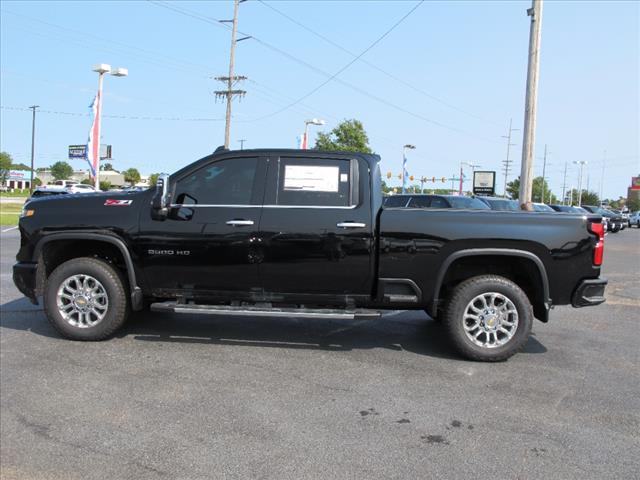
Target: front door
{"type": "Point", "coordinates": [316, 228]}
{"type": "Point", "coordinates": [206, 245]}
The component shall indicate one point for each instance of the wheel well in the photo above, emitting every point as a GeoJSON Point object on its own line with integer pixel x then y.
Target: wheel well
{"type": "Point", "coordinates": [522, 271]}
{"type": "Point", "coordinates": [56, 252]}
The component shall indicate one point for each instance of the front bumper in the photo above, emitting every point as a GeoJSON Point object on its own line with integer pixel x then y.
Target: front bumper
{"type": "Point", "coordinates": [24, 278]}
{"type": "Point", "coordinates": [589, 293]}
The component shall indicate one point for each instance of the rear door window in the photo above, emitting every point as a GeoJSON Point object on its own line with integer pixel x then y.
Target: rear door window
{"type": "Point", "coordinates": [322, 182]}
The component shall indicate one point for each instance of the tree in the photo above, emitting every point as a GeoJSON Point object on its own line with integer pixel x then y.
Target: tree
{"type": "Point", "coordinates": [5, 166]}
{"type": "Point", "coordinates": [105, 185]}
{"type": "Point", "coordinates": [348, 136]}
{"type": "Point", "coordinates": [20, 166]}
{"type": "Point", "coordinates": [513, 189]}
{"type": "Point", "coordinates": [36, 182]}
{"type": "Point", "coordinates": [61, 170]}
{"type": "Point", "coordinates": [107, 167]}
{"type": "Point", "coordinates": [153, 179]}
{"type": "Point", "coordinates": [131, 175]}
{"type": "Point", "coordinates": [633, 204]}
{"type": "Point", "coordinates": [87, 181]}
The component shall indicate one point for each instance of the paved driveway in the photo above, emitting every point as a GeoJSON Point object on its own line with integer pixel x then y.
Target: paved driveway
{"type": "Point", "coordinates": [198, 398]}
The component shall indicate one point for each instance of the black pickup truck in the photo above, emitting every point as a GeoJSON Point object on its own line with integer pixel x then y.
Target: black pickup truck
{"type": "Point", "coordinates": [302, 233]}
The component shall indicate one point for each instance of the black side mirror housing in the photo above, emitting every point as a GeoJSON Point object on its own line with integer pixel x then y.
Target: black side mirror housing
{"type": "Point", "coordinates": [160, 201]}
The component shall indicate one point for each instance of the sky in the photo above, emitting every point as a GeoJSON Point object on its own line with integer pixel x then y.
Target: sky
{"type": "Point", "coordinates": [447, 79]}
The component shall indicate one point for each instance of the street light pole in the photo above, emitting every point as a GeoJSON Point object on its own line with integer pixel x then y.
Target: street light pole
{"type": "Point", "coordinates": [101, 69]}
{"type": "Point", "coordinates": [404, 165]}
{"type": "Point", "coordinates": [33, 145]}
{"type": "Point", "coordinates": [305, 138]}
{"type": "Point", "coordinates": [473, 167]}
{"type": "Point", "coordinates": [582, 163]}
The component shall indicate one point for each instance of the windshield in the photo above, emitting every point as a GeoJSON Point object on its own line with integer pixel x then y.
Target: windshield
{"type": "Point", "coordinates": [467, 202]}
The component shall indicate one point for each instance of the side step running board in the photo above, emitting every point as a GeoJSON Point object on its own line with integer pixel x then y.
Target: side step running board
{"type": "Point", "coordinates": [359, 314]}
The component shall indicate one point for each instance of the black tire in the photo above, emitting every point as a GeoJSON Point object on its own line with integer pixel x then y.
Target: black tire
{"type": "Point", "coordinates": [458, 302]}
{"type": "Point", "coordinates": [114, 287]}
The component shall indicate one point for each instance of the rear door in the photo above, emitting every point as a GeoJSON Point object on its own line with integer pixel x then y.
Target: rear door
{"type": "Point", "coordinates": [317, 226]}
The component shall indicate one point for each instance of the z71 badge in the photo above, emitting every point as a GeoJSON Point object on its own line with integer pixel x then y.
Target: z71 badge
{"type": "Point", "coordinates": [117, 203]}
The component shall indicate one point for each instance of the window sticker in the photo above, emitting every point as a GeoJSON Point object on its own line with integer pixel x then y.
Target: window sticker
{"type": "Point", "coordinates": [344, 177]}
{"type": "Point", "coordinates": [310, 178]}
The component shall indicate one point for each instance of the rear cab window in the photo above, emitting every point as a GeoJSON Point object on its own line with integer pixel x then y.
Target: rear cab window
{"type": "Point", "coordinates": [316, 182]}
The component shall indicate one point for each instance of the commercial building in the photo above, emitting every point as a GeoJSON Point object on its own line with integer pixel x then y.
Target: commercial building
{"type": "Point", "coordinates": [633, 192]}
{"type": "Point", "coordinates": [18, 179]}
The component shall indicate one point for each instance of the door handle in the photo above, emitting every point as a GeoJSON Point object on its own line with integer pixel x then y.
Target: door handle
{"type": "Point", "coordinates": [239, 223]}
{"type": "Point", "coordinates": [351, 225]}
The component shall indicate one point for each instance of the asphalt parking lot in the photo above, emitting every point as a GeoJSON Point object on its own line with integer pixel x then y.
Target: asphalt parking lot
{"type": "Point", "coordinates": [193, 397]}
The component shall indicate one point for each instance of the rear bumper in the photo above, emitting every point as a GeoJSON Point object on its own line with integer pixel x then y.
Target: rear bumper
{"type": "Point", "coordinates": [24, 278]}
{"type": "Point", "coordinates": [589, 293]}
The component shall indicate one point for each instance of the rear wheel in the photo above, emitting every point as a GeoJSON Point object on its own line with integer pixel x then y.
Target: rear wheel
{"type": "Point", "coordinates": [488, 318]}
{"type": "Point", "coordinates": [85, 299]}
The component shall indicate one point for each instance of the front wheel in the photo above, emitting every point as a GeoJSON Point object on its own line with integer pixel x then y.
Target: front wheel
{"type": "Point", "coordinates": [488, 318]}
{"type": "Point", "coordinates": [85, 299]}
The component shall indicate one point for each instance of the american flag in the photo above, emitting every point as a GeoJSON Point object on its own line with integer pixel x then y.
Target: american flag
{"type": "Point", "coordinates": [93, 145]}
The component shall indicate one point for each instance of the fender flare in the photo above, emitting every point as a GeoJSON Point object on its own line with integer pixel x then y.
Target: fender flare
{"type": "Point", "coordinates": [507, 252]}
{"type": "Point", "coordinates": [136, 291]}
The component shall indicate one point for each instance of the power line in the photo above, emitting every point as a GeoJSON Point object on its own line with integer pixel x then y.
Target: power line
{"type": "Point", "coordinates": [267, 45]}
{"type": "Point", "coordinates": [123, 117]}
{"type": "Point", "coordinates": [374, 66]}
{"type": "Point", "coordinates": [160, 57]}
{"type": "Point", "coordinates": [332, 77]}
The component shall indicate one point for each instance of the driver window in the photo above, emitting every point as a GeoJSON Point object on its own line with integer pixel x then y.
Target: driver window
{"type": "Point", "coordinates": [225, 182]}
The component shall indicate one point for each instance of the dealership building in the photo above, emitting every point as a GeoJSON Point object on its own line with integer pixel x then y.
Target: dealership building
{"type": "Point", "coordinates": [18, 179]}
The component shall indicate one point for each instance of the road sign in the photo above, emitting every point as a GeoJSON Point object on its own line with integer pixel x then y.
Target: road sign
{"type": "Point", "coordinates": [80, 152]}
{"type": "Point", "coordinates": [484, 183]}
{"type": "Point", "coordinates": [77, 152]}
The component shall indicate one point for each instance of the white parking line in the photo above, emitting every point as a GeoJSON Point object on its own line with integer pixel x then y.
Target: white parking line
{"type": "Point", "coordinates": [9, 229]}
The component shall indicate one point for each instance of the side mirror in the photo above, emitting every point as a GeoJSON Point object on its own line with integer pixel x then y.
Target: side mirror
{"type": "Point", "coordinates": [160, 202]}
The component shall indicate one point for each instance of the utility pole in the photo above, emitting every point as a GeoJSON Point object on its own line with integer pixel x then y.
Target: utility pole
{"type": "Point", "coordinates": [242, 140]}
{"type": "Point", "coordinates": [508, 161]}
{"type": "Point", "coordinates": [544, 168]}
{"type": "Point", "coordinates": [232, 79]}
{"type": "Point", "coordinates": [604, 161]}
{"type": "Point", "coordinates": [33, 144]}
{"type": "Point", "coordinates": [531, 100]}
{"type": "Point", "coordinates": [564, 184]}
{"type": "Point", "coordinates": [582, 163]}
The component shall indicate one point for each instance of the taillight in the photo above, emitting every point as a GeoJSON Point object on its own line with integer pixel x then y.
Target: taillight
{"type": "Point", "coordinates": [598, 252]}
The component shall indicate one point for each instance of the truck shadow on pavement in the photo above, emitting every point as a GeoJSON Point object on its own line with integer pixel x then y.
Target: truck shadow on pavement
{"type": "Point", "coordinates": [411, 331]}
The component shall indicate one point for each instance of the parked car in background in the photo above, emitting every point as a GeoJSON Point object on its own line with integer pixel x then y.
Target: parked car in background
{"type": "Point", "coordinates": [81, 188]}
{"type": "Point", "coordinates": [434, 201]}
{"type": "Point", "coordinates": [542, 207]}
{"type": "Point", "coordinates": [579, 211]}
{"type": "Point", "coordinates": [65, 183]}
{"type": "Point", "coordinates": [502, 204]}
{"type": "Point", "coordinates": [615, 222]}
{"type": "Point", "coordinates": [567, 209]}
{"type": "Point", "coordinates": [624, 215]}
{"type": "Point", "coordinates": [634, 219]}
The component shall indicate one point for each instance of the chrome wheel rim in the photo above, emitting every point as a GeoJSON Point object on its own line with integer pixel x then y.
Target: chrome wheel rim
{"type": "Point", "coordinates": [82, 301]}
{"type": "Point", "coordinates": [490, 320]}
